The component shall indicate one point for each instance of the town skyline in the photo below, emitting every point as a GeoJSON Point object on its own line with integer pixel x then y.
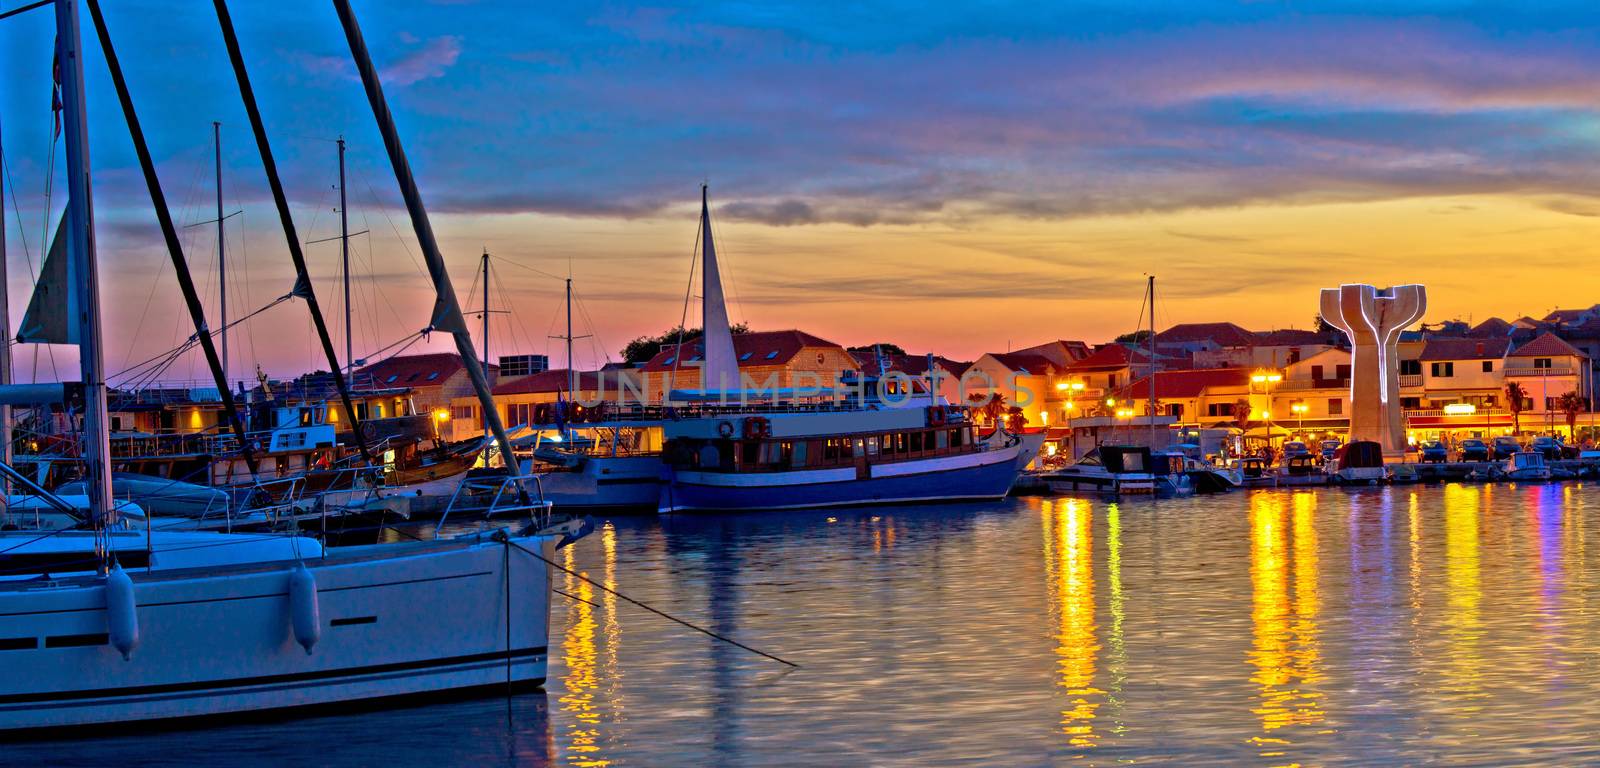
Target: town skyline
{"type": "Point", "coordinates": [1246, 158]}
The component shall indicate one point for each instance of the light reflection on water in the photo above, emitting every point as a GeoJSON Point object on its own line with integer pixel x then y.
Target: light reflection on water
{"type": "Point", "coordinates": [1317, 627]}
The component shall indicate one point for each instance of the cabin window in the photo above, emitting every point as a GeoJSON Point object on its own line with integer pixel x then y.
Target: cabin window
{"type": "Point", "coordinates": [902, 442]}
{"type": "Point", "coordinates": [916, 441]}
{"type": "Point", "coordinates": [942, 438]}
{"type": "Point", "coordinates": [750, 454]}
{"type": "Point", "coordinates": [830, 450]}
{"type": "Point", "coordinates": [1335, 406]}
{"type": "Point", "coordinates": [1541, 362]}
{"type": "Point", "coordinates": [1488, 366]}
{"type": "Point", "coordinates": [797, 457]}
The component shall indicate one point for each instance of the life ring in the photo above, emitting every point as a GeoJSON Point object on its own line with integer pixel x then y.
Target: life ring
{"type": "Point", "coordinates": [725, 428]}
{"type": "Point", "coordinates": [936, 416]}
{"type": "Point", "coordinates": [756, 427]}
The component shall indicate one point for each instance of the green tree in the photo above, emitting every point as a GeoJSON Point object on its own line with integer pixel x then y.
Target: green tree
{"type": "Point", "coordinates": [643, 348]}
{"type": "Point", "coordinates": [990, 404]}
{"type": "Point", "coordinates": [1516, 400]}
{"type": "Point", "coordinates": [1141, 338]}
{"type": "Point", "coordinates": [883, 347]}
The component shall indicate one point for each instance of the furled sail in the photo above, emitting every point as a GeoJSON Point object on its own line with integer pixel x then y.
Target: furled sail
{"type": "Point", "coordinates": [48, 319]}
{"type": "Point", "coordinates": [721, 369]}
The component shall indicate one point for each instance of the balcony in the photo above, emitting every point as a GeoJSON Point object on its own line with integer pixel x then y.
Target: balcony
{"type": "Point", "coordinates": [1538, 373]}
{"type": "Point", "coordinates": [1300, 385]}
{"type": "Point", "coordinates": [1410, 380]}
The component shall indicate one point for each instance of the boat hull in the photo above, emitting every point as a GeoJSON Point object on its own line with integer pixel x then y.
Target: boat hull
{"type": "Point", "coordinates": [982, 475]}
{"type": "Point", "coordinates": [395, 621]}
{"type": "Point", "coordinates": [605, 483]}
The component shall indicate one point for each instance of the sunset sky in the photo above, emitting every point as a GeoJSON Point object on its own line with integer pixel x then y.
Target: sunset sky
{"type": "Point", "coordinates": [960, 180]}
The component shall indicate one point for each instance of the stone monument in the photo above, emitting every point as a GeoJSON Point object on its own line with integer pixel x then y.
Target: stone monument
{"type": "Point", "coordinates": [1373, 319]}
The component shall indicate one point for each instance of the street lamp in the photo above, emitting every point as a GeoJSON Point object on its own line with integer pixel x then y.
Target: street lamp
{"type": "Point", "coordinates": [1300, 412]}
{"type": "Point", "coordinates": [1266, 379]}
{"type": "Point", "coordinates": [1070, 387]}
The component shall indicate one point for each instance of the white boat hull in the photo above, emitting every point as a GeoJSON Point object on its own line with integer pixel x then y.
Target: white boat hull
{"type": "Point", "coordinates": [395, 620]}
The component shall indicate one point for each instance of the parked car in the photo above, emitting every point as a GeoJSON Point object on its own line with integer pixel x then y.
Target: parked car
{"type": "Point", "coordinates": [1547, 445]}
{"type": "Point", "coordinates": [1329, 448]}
{"type": "Point", "coordinates": [1504, 446]}
{"type": "Point", "coordinates": [1295, 448]}
{"type": "Point", "coordinates": [1433, 451]}
{"type": "Point", "coordinates": [1473, 449]}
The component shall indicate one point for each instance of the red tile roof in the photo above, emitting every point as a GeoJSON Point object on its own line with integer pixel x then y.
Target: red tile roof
{"type": "Point", "coordinates": [1288, 337]}
{"type": "Point", "coordinates": [1110, 357]}
{"type": "Point", "coordinates": [555, 381]}
{"type": "Point", "coordinates": [1223, 334]}
{"type": "Point", "coordinates": [424, 370]}
{"type": "Point", "coordinates": [1187, 384]}
{"type": "Point", "coordinates": [911, 365]}
{"type": "Point", "coordinates": [1569, 315]}
{"type": "Point", "coordinates": [1464, 349]}
{"type": "Point", "coordinates": [754, 348]}
{"type": "Point", "coordinates": [1024, 362]}
{"type": "Point", "coordinates": [1494, 326]}
{"type": "Point", "coordinates": [1547, 345]}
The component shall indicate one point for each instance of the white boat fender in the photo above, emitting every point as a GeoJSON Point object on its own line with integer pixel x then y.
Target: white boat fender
{"type": "Point", "coordinates": [303, 611]}
{"type": "Point", "coordinates": [122, 617]}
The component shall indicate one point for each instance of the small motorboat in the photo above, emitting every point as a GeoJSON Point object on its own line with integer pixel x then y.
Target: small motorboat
{"type": "Point", "coordinates": [1254, 471]}
{"type": "Point", "coordinates": [1526, 466]}
{"type": "Point", "coordinates": [1359, 462]}
{"type": "Point", "coordinates": [1302, 469]}
{"type": "Point", "coordinates": [1111, 470]}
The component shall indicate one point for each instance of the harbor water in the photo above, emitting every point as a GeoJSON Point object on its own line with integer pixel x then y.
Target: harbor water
{"type": "Point", "coordinates": [1448, 624]}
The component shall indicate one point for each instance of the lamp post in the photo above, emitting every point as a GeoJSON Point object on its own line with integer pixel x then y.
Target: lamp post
{"type": "Point", "coordinates": [1266, 379]}
{"type": "Point", "coordinates": [1070, 388]}
{"type": "Point", "coordinates": [1300, 413]}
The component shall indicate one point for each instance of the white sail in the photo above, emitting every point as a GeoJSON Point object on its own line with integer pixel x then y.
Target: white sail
{"type": "Point", "coordinates": [721, 369]}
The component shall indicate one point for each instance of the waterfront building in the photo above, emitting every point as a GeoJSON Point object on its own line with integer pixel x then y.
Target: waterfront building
{"type": "Point", "coordinates": [766, 360]}
{"type": "Point", "coordinates": [434, 378]}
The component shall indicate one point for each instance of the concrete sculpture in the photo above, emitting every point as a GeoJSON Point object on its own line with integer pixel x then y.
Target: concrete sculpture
{"type": "Point", "coordinates": [1373, 320]}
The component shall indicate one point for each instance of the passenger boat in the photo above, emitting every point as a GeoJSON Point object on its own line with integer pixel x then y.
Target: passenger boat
{"type": "Point", "coordinates": [606, 466]}
{"type": "Point", "coordinates": [104, 621]}
{"type": "Point", "coordinates": [820, 456]}
{"type": "Point", "coordinates": [1525, 466]}
{"type": "Point", "coordinates": [732, 448]}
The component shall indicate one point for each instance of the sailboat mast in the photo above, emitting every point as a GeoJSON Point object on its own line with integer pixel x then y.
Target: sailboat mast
{"type": "Point", "coordinates": [5, 329]}
{"type": "Point", "coordinates": [344, 255]}
{"type": "Point", "coordinates": [83, 299]}
{"type": "Point", "coordinates": [446, 309]}
{"type": "Point", "coordinates": [486, 321]}
{"type": "Point", "coordinates": [222, 260]}
{"type": "Point", "coordinates": [1152, 415]}
{"type": "Point", "coordinates": [572, 386]}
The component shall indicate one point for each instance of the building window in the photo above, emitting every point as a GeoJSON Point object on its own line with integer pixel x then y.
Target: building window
{"type": "Point", "coordinates": [1488, 366]}
{"type": "Point", "coordinates": [1341, 371]}
{"type": "Point", "coordinates": [1410, 367]}
{"type": "Point", "coordinates": [1411, 403]}
{"type": "Point", "coordinates": [1541, 362]}
{"type": "Point", "coordinates": [1444, 370]}
{"type": "Point", "coordinates": [1175, 410]}
{"type": "Point", "coordinates": [1219, 409]}
{"type": "Point", "coordinates": [1316, 372]}
{"type": "Point", "coordinates": [1335, 406]}
{"type": "Point", "coordinates": [1549, 403]}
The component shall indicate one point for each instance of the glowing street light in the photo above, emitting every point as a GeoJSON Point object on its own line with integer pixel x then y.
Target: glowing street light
{"type": "Point", "coordinates": [1299, 410]}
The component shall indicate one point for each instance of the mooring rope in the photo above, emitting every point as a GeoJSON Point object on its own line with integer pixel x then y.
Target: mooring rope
{"type": "Point", "coordinates": [656, 611]}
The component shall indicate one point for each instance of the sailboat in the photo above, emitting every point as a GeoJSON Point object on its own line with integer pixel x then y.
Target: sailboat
{"type": "Point", "coordinates": [732, 448]}
{"type": "Point", "coordinates": [105, 623]}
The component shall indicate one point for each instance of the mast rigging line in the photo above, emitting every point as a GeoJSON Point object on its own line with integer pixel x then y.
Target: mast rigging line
{"type": "Point", "coordinates": [169, 232]}
{"type": "Point", "coordinates": [24, 9]}
{"type": "Point", "coordinates": [195, 339]}
{"type": "Point", "coordinates": [656, 611]}
{"type": "Point", "coordinates": [303, 285]}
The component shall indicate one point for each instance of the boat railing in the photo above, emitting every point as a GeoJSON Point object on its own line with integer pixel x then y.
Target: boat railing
{"type": "Point", "coordinates": [498, 495]}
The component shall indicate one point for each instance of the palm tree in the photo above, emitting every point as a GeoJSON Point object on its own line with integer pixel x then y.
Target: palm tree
{"type": "Point", "coordinates": [1015, 419]}
{"type": "Point", "coordinates": [990, 404]}
{"type": "Point", "coordinates": [1515, 398]}
{"type": "Point", "coordinates": [1241, 413]}
{"type": "Point", "coordinates": [1572, 404]}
